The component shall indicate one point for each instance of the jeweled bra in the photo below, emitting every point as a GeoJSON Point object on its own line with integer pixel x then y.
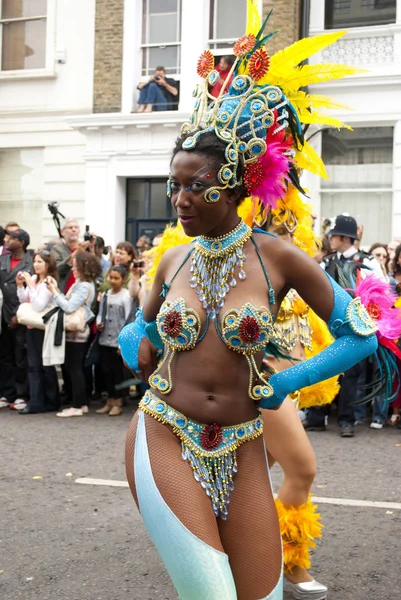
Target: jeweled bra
{"type": "Point", "coordinates": [246, 330]}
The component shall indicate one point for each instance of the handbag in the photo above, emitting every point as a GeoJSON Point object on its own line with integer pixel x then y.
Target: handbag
{"type": "Point", "coordinates": [27, 315]}
{"type": "Point", "coordinates": [76, 321]}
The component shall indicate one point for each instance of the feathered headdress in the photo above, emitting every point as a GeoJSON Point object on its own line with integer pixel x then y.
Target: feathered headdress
{"type": "Point", "coordinates": [262, 114]}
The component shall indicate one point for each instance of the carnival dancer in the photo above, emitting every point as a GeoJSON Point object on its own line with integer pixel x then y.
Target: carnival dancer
{"type": "Point", "coordinates": [196, 464]}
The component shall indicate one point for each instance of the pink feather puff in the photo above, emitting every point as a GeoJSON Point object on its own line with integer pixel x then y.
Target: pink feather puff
{"type": "Point", "coordinates": [378, 299]}
{"type": "Point", "coordinates": [275, 165]}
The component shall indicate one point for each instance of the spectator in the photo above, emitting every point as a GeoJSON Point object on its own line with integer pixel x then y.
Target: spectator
{"type": "Point", "coordinates": [3, 249]}
{"type": "Point", "coordinates": [159, 93]}
{"type": "Point", "coordinates": [43, 383]}
{"type": "Point", "coordinates": [65, 251]}
{"type": "Point", "coordinates": [10, 226]}
{"type": "Point", "coordinates": [380, 253]}
{"type": "Point", "coordinates": [342, 238]}
{"type": "Point", "coordinates": [391, 248]}
{"type": "Point", "coordinates": [223, 69]}
{"type": "Point", "coordinates": [100, 254]}
{"type": "Point", "coordinates": [13, 365]}
{"type": "Point", "coordinates": [86, 268]}
{"type": "Point", "coordinates": [323, 251]}
{"type": "Point", "coordinates": [124, 255]}
{"type": "Point", "coordinates": [115, 308]}
{"type": "Point", "coordinates": [143, 244]}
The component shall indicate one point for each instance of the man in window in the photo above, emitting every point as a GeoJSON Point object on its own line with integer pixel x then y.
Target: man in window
{"type": "Point", "coordinates": [223, 68]}
{"type": "Point", "coordinates": [159, 93]}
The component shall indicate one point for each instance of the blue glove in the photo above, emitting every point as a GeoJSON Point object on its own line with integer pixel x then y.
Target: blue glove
{"type": "Point", "coordinates": [355, 332]}
{"type": "Point", "coordinates": [131, 336]}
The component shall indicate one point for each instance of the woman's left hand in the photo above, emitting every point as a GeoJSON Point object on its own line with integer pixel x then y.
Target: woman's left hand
{"type": "Point", "coordinates": [27, 278]}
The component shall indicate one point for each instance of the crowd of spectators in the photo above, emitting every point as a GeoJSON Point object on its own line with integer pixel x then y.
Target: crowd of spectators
{"type": "Point", "coordinates": [62, 307]}
{"type": "Point", "coordinates": [86, 293]}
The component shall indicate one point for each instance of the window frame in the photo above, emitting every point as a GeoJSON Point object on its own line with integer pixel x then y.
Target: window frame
{"type": "Point", "coordinates": [351, 26]}
{"type": "Point", "coordinates": [49, 70]}
{"type": "Point", "coordinates": [213, 42]}
{"type": "Point", "coordinates": [145, 46]}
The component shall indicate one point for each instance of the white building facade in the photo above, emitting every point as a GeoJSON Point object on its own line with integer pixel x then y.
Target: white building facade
{"type": "Point", "coordinates": [364, 166]}
{"type": "Point", "coordinates": [110, 169]}
{"type": "Point", "coordinates": [46, 73]}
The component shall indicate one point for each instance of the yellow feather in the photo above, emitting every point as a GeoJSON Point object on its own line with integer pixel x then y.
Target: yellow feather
{"type": "Point", "coordinates": [321, 119]}
{"type": "Point", "coordinates": [253, 20]}
{"type": "Point", "coordinates": [310, 160]}
{"type": "Point", "coordinates": [309, 74]}
{"type": "Point", "coordinates": [301, 50]}
{"type": "Point", "coordinates": [318, 101]}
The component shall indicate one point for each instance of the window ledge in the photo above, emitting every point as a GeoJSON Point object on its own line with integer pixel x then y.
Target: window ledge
{"type": "Point", "coordinates": [27, 74]}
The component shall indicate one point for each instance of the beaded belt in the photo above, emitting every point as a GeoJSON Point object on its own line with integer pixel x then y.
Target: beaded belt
{"type": "Point", "coordinates": [209, 449]}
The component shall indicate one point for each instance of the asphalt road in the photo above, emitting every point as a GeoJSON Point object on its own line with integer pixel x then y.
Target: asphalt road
{"type": "Point", "coordinates": [60, 540]}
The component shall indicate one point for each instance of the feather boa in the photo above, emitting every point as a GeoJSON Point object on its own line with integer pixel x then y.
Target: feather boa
{"type": "Point", "coordinates": [299, 526]}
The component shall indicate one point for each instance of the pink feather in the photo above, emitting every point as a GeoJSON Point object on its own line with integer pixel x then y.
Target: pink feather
{"type": "Point", "coordinates": [378, 299]}
{"type": "Point", "coordinates": [275, 165]}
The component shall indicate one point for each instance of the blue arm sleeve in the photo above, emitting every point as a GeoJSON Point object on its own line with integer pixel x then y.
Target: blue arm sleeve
{"type": "Point", "coordinates": [356, 339]}
{"type": "Point", "coordinates": [131, 336]}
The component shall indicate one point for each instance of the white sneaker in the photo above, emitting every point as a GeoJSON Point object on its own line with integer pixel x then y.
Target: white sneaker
{"type": "Point", "coordinates": [85, 409]}
{"type": "Point", "coordinates": [376, 425]}
{"type": "Point", "coordinates": [70, 412]}
{"type": "Point", "coordinates": [3, 402]}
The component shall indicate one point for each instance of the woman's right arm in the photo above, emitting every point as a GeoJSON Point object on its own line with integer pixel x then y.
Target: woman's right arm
{"type": "Point", "coordinates": [23, 294]}
{"type": "Point", "coordinates": [78, 298]}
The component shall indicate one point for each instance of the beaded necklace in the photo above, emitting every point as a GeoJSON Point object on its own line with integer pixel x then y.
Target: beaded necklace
{"type": "Point", "coordinates": [213, 264]}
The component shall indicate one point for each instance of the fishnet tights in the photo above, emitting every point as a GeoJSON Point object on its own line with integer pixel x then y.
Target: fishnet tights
{"type": "Point", "coordinates": [250, 536]}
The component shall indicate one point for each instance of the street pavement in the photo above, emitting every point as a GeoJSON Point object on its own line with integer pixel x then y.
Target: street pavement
{"type": "Point", "coordinates": [61, 540]}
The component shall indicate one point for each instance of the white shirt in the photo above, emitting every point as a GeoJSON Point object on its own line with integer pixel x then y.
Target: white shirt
{"type": "Point", "coordinates": [39, 296]}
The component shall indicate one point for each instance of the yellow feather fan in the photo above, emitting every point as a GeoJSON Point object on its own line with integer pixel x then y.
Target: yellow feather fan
{"type": "Point", "coordinates": [173, 236]}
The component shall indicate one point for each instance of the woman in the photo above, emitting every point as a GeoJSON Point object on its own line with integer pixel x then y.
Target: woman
{"type": "Point", "coordinates": [86, 268]}
{"type": "Point", "coordinates": [380, 252]}
{"type": "Point", "coordinates": [212, 308]}
{"type": "Point", "coordinates": [123, 255]}
{"type": "Point", "coordinates": [43, 383]}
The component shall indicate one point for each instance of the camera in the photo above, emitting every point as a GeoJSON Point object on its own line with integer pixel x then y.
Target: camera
{"type": "Point", "coordinates": [138, 264]}
{"type": "Point", "coordinates": [106, 250]}
{"type": "Point", "coordinates": [157, 77]}
{"type": "Point", "coordinates": [87, 236]}
{"type": "Point", "coordinates": [53, 208]}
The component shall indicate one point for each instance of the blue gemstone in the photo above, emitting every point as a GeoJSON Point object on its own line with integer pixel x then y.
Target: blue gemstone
{"type": "Point", "coordinates": [156, 379]}
{"type": "Point", "coordinates": [257, 149]}
{"type": "Point", "coordinates": [181, 339]}
{"type": "Point", "coordinates": [235, 342]}
{"type": "Point", "coordinates": [265, 392]}
{"type": "Point", "coordinates": [180, 422]}
{"type": "Point", "coordinates": [258, 423]}
{"type": "Point", "coordinates": [240, 82]}
{"type": "Point", "coordinates": [240, 432]}
{"type": "Point", "coordinates": [214, 196]}
{"type": "Point", "coordinates": [160, 407]}
{"type": "Point", "coordinates": [241, 147]}
{"type": "Point", "coordinates": [256, 105]}
{"type": "Point", "coordinates": [261, 337]}
{"type": "Point", "coordinates": [257, 391]}
{"type": "Point", "coordinates": [230, 321]}
{"type": "Point", "coordinates": [162, 385]}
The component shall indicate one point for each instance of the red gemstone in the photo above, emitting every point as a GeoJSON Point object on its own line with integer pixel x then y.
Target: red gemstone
{"type": "Point", "coordinates": [374, 310]}
{"type": "Point", "coordinates": [253, 176]}
{"type": "Point", "coordinates": [249, 330]}
{"type": "Point", "coordinates": [173, 323]}
{"type": "Point", "coordinates": [211, 436]}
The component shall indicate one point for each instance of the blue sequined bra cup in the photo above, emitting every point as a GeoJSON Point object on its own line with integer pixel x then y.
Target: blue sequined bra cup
{"type": "Point", "coordinates": [246, 330]}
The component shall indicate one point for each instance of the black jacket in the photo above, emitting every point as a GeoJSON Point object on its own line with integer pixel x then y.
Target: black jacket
{"type": "Point", "coordinates": [8, 284]}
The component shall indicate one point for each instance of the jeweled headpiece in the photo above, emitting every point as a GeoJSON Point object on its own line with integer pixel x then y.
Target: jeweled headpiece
{"type": "Point", "coordinates": [262, 114]}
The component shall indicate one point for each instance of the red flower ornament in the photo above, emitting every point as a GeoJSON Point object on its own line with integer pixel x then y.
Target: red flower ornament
{"type": "Point", "coordinates": [211, 436]}
{"type": "Point", "coordinates": [205, 64]}
{"type": "Point", "coordinates": [173, 323]}
{"type": "Point", "coordinates": [249, 330]}
{"type": "Point", "coordinates": [374, 310]}
{"type": "Point", "coordinates": [259, 64]}
{"type": "Point", "coordinates": [244, 44]}
{"type": "Point", "coordinates": [253, 176]}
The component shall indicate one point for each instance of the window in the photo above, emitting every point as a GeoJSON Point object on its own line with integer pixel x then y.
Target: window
{"type": "Point", "coordinates": [161, 36]}
{"type": "Point", "coordinates": [360, 168]}
{"type": "Point", "coordinates": [148, 208]}
{"type": "Point", "coordinates": [227, 22]}
{"type": "Point", "coordinates": [359, 13]}
{"type": "Point", "coordinates": [23, 33]}
{"type": "Point", "coordinates": [22, 189]}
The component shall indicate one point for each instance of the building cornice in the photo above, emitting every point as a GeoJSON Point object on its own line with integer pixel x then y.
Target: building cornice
{"type": "Point", "coordinates": [122, 121]}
